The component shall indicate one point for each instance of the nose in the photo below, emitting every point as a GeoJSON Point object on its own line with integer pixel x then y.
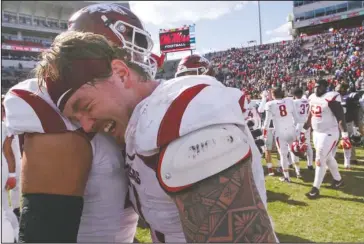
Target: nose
{"type": "Point", "coordinates": [87, 123]}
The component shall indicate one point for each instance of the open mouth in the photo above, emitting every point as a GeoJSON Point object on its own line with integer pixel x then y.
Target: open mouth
{"type": "Point", "coordinates": [110, 127]}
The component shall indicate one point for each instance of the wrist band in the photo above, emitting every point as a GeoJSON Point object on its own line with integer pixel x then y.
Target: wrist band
{"type": "Point", "coordinates": [345, 135]}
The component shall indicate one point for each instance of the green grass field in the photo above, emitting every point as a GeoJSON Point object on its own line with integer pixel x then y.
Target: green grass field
{"type": "Point", "coordinates": [337, 216]}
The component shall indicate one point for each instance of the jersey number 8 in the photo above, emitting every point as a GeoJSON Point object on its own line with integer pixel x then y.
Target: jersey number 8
{"type": "Point", "coordinates": [282, 110]}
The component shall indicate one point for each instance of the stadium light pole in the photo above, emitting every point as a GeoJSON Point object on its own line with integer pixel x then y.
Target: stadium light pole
{"type": "Point", "coordinates": [260, 25]}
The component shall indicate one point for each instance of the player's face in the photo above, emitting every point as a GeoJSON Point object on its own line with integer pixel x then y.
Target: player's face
{"type": "Point", "coordinates": [101, 107]}
{"type": "Point", "coordinates": [320, 90]}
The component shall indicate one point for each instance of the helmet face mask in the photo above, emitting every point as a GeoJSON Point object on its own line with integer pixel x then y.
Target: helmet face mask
{"type": "Point", "coordinates": [140, 46]}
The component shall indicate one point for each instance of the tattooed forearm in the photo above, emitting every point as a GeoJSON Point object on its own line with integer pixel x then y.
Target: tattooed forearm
{"type": "Point", "coordinates": [225, 208]}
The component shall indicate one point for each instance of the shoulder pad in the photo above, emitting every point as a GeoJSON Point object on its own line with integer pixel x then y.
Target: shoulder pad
{"type": "Point", "coordinates": [289, 100]}
{"type": "Point", "coordinates": [332, 96]}
{"type": "Point", "coordinates": [313, 95]}
{"type": "Point", "coordinates": [177, 109]}
{"type": "Point", "coordinates": [354, 96]}
{"type": "Point", "coordinates": [201, 154]}
{"type": "Point", "coordinates": [29, 109]}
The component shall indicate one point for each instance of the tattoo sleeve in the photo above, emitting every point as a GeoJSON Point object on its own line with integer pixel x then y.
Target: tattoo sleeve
{"type": "Point", "coordinates": [225, 208]}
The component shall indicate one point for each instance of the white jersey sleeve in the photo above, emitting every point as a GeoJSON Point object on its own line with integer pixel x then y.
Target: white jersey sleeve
{"type": "Point", "coordinates": [261, 107]}
{"type": "Point", "coordinates": [30, 109]}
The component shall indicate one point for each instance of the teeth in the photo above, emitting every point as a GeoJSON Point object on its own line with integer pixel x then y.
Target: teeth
{"type": "Point", "coordinates": [109, 126]}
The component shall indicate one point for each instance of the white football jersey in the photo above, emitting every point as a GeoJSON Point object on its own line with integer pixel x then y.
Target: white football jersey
{"type": "Point", "coordinates": [174, 109]}
{"type": "Point", "coordinates": [253, 114]}
{"type": "Point", "coordinates": [302, 108]}
{"type": "Point", "coordinates": [283, 114]}
{"type": "Point", "coordinates": [323, 119]}
{"type": "Point", "coordinates": [104, 217]}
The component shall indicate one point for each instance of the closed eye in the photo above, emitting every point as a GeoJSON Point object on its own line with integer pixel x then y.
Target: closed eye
{"type": "Point", "coordinates": [87, 108]}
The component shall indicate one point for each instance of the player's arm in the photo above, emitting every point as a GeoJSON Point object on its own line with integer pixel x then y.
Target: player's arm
{"type": "Point", "coordinates": [8, 154]}
{"type": "Point", "coordinates": [55, 169]}
{"type": "Point", "coordinates": [10, 158]}
{"type": "Point", "coordinates": [259, 120]}
{"type": "Point", "coordinates": [338, 111]}
{"type": "Point", "coordinates": [219, 201]}
{"type": "Point", "coordinates": [308, 121]}
{"type": "Point", "coordinates": [262, 104]}
{"type": "Point", "coordinates": [267, 120]}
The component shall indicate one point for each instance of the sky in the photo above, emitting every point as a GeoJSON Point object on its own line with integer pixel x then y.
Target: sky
{"type": "Point", "coordinates": [220, 25]}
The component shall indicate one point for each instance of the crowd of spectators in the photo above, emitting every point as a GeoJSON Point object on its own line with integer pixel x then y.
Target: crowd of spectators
{"type": "Point", "coordinates": [337, 55]}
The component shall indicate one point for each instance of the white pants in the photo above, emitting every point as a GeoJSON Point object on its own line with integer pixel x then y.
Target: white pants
{"type": "Point", "coordinates": [7, 231]}
{"type": "Point", "coordinates": [350, 126]}
{"type": "Point", "coordinates": [283, 143]}
{"type": "Point", "coordinates": [270, 139]}
{"type": "Point", "coordinates": [325, 145]}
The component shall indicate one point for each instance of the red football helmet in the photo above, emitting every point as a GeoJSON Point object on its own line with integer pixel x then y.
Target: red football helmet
{"type": "Point", "coordinates": [121, 26]}
{"type": "Point", "coordinates": [299, 149]}
{"type": "Point", "coordinates": [194, 64]}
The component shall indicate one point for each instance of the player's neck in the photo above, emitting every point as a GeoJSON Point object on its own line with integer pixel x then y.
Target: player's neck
{"type": "Point", "coordinates": [146, 88]}
{"type": "Point", "coordinates": [142, 90]}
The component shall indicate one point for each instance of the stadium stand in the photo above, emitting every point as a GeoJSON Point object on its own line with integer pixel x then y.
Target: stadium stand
{"type": "Point", "coordinates": [336, 55]}
{"type": "Point", "coordinates": [30, 27]}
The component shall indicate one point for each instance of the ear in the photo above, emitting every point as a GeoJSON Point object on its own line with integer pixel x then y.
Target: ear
{"type": "Point", "coordinates": [120, 69]}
